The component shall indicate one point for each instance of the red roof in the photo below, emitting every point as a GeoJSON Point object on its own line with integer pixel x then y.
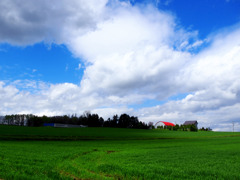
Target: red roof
{"type": "Point", "coordinates": [166, 123]}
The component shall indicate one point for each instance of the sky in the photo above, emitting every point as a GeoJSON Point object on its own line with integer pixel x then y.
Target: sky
{"type": "Point", "coordinates": [160, 60]}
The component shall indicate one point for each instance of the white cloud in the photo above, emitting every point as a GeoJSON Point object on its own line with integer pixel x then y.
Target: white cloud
{"type": "Point", "coordinates": [46, 99]}
{"type": "Point", "coordinates": [126, 29]}
{"type": "Point", "coordinates": [79, 67]}
{"type": "Point", "coordinates": [132, 53]}
{"type": "Point", "coordinates": [213, 78]}
{"type": "Point", "coordinates": [33, 21]}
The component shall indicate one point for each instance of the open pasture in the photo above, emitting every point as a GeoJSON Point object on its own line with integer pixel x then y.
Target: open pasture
{"type": "Point", "coordinates": [108, 153]}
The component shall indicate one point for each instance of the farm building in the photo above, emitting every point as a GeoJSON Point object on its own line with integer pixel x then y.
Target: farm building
{"type": "Point", "coordinates": [62, 125]}
{"type": "Point", "coordinates": [163, 123]}
{"type": "Point", "coordinates": [195, 123]}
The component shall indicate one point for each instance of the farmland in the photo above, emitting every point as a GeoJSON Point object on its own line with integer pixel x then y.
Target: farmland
{"type": "Point", "coordinates": [112, 153]}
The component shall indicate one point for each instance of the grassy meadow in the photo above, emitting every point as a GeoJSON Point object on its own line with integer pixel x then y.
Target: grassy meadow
{"type": "Point", "coordinates": [112, 153]}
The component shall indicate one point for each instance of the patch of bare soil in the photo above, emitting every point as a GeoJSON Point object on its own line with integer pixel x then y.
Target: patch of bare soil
{"type": "Point", "coordinates": [67, 174]}
{"type": "Point", "coordinates": [109, 152]}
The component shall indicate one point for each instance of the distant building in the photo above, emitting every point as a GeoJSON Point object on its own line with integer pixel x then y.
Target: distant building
{"type": "Point", "coordinates": [163, 123]}
{"type": "Point", "coordinates": [195, 123]}
{"type": "Point", "coordinates": [62, 125]}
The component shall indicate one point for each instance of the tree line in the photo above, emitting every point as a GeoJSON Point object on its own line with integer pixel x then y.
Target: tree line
{"type": "Point", "coordinates": [87, 119]}
{"type": "Point", "coordinates": [178, 127]}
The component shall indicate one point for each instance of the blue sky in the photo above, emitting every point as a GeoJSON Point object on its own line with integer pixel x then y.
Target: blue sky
{"type": "Point", "coordinates": [159, 60]}
{"type": "Point", "coordinates": [38, 62]}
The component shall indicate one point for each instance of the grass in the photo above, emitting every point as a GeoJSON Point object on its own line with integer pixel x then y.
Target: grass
{"type": "Point", "coordinates": [50, 133]}
{"type": "Point", "coordinates": [108, 153]}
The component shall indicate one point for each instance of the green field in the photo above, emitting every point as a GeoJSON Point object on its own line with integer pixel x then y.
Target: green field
{"type": "Point", "coordinates": [111, 153]}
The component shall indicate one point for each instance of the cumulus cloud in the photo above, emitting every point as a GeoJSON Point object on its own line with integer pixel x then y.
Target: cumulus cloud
{"type": "Point", "coordinates": [213, 78]}
{"type": "Point", "coordinates": [47, 99]}
{"type": "Point", "coordinates": [132, 53]}
{"type": "Point", "coordinates": [126, 30]}
{"type": "Point", "coordinates": [28, 22]}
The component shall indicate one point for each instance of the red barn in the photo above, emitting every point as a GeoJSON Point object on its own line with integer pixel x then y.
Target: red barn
{"type": "Point", "coordinates": [163, 123]}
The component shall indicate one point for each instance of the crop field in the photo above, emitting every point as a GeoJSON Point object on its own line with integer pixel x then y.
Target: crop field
{"type": "Point", "coordinates": [111, 153]}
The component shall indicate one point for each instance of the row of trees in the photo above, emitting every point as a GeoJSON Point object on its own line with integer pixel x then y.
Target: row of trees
{"type": "Point", "coordinates": [125, 121]}
{"type": "Point", "coordinates": [178, 127]}
{"type": "Point", "coordinates": [205, 129]}
{"type": "Point", "coordinates": [17, 119]}
{"type": "Point", "coordinates": [87, 119]}
{"type": "Point", "coordinates": [92, 120]}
